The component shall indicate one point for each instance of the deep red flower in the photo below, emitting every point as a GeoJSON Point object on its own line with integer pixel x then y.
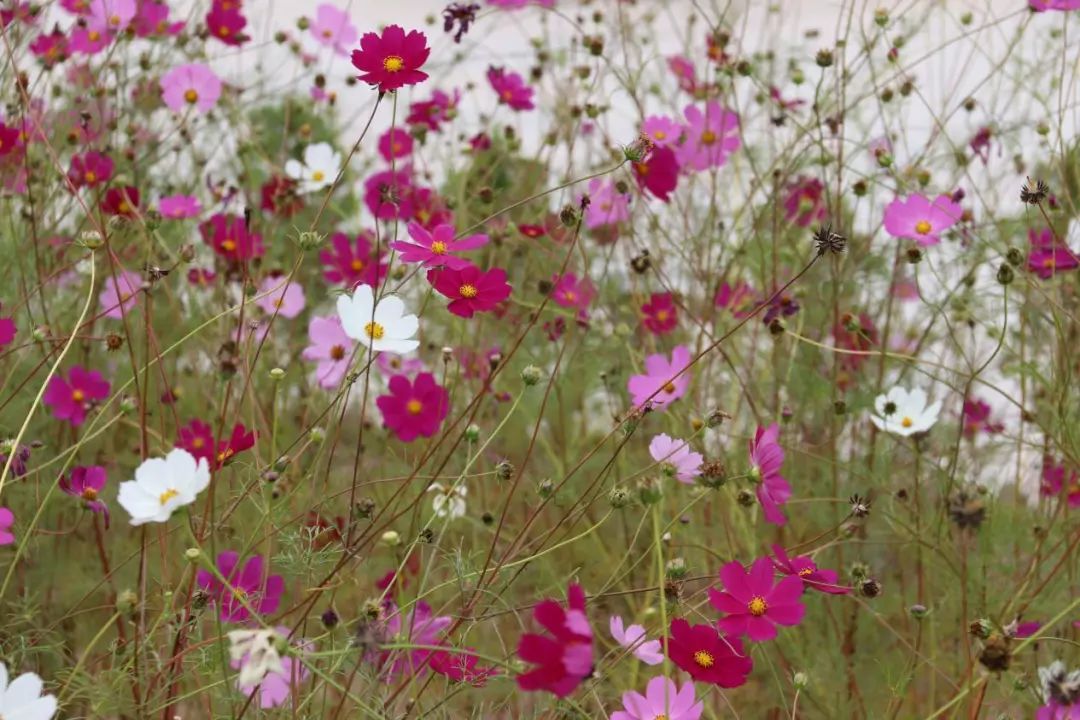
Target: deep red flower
{"type": "Point", "coordinates": [121, 201]}
{"type": "Point", "coordinates": [564, 659]}
{"type": "Point", "coordinates": [229, 236]}
{"type": "Point", "coordinates": [387, 195]}
{"type": "Point", "coordinates": [658, 173]}
{"type": "Point", "coordinates": [855, 333]}
{"type": "Point", "coordinates": [805, 202]}
{"type": "Point", "coordinates": [51, 48]}
{"type": "Point", "coordinates": [279, 196]}
{"type": "Point", "coordinates": [353, 262]}
{"type": "Point", "coordinates": [198, 439]}
{"type": "Point", "coordinates": [660, 315]}
{"type": "Point", "coordinates": [241, 439]}
{"type": "Point", "coordinates": [470, 289]}
{"type": "Point", "coordinates": [977, 419]}
{"type": "Point", "coordinates": [10, 139]}
{"type": "Point", "coordinates": [393, 59]}
{"type": "Point", "coordinates": [532, 231]}
{"type": "Point", "coordinates": [707, 655]}
{"type": "Point", "coordinates": [89, 169]}
{"type": "Point", "coordinates": [812, 576]}
{"type": "Point", "coordinates": [434, 112]}
{"type": "Point", "coordinates": [414, 408]}
{"type": "Point", "coordinates": [226, 23]}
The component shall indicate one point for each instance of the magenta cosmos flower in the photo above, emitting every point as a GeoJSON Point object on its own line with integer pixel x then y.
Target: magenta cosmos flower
{"type": "Point", "coordinates": [812, 576]}
{"type": "Point", "coordinates": [710, 137]}
{"type": "Point", "coordinates": [607, 205]}
{"type": "Point", "coordinates": [511, 89]}
{"type": "Point", "coordinates": [976, 419]}
{"type": "Point", "coordinates": [120, 293]}
{"type": "Point", "coordinates": [805, 202]}
{"type": "Point", "coordinates": [8, 329]}
{"type": "Point", "coordinates": [1058, 481]}
{"type": "Point", "coordinates": [353, 262]}
{"type": "Point", "coordinates": [86, 483]}
{"type": "Point", "coordinates": [414, 408]}
{"type": "Point", "coordinates": [70, 398]}
{"type": "Point", "coordinates": [570, 292]}
{"type": "Point", "coordinates": [659, 385]}
{"type": "Point", "coordinates": [707, 655]}
{"type": "Point", "coordinates": [111, 15]}
{"type": "Point", "coordinates": [752, 604]}
{"type": "Point", "coordinates": [7, 520]}
{"type": "Point", "coordinates": [470, 289]}
{"type": "Point", "coordinates": [766, 458]}
{"type": "Point", "coordinates": [392, 60]}
{"type": "Point", "coordinates": [333, 29]}
{"type": "Point", "coordinates": [89, 169]}
{"type": "Point", "coordinates": [331, 349]}
{"type": "Point", "coordinates": [634, 639]}
{"type": "Point", "coordinates": [660, 315]}
{"type": "Point", "coordinates": [179, 207]}
{"type": "Point", "coordinates": [190, 86]}
{"type": "Point", "coordinates": [230, 238]}
{"type": "Point", "coordinates": [662, 699]}
{"type": "Point", "coordinates": [659, 173]}
{"type": "Point", "coordinates": [435, 248]}
{"type": "Point", "coordinates": [563, 660]}
{"type": "Point", "coordinates": [420, 627]}
{"type": "Point", "coordinates": [1048, 256]}
{"type": "Point", "coordinates": [285, 298]}
{"type": "Point", "coordinates": [676, 458]}
{"type": "Point", "coordinates": [919, 219]}
{"type": "Point", "coordinates": [250, 584]}
{"type": "Point", "coordinates": [395, 143]}
{"type": "Point", "coordinates": [1043, 5]}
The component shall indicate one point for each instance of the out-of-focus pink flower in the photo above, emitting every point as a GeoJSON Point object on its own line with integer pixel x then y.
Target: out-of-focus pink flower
{"type": "Point", "coordinates": [333, 28]}
{"type": "Point", "coordinates": [658, 173]}
{"type": "Point", "coordinates": [248, 587]}
{"type": "Point", "coordinates": [331, 348]}
{"type": "Point", "coordinates": [395, 143]}
{"type": "Point", "coordinates": [659, 386]}
{"type": "Point", "coordinates": [190, 86]}
{"type": "Point", "coordinates": [710, 137]}
{"type": "Point", "coordinates": [179, 206]}
{"type": "Point", "coordinates": [766, 459]}
{"type": "Point", "coordinates": [511, 89]}
{"type": "Point", "coordinates": [119, 293]}
{"type": "Point", "coordinates": [71, 397]}
{"type": "Point", "coordinates": [805, 202]}
{"type": "Point", "coordinates": [607, 205]}
{"type": "Point", "coordinates": [676, 458]}
{"type": "Point", "coordinates": [1048, 256]}
{"type": "Point", "coordinates": [919, 219]}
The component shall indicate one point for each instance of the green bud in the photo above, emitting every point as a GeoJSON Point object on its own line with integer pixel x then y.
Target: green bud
{"type": "Point", "coordinates": [800, 680]}
{"type": "Point", "coordinates": [472, 433]}
{"type": "Point", "coordinates": [649, 490]}
{"type": "Point", "coordinates": [531, 375]}
{"type": "Point", "coordinates": [619, 497]}
{"type": "Point", "coordinates": [193, 554]}
{"type": "Point", "coordinates": [277, 374]}
{"type": "Point", "coordinates": [310, 240]}
{"type": "Point", "coordinates": [1005, 274]}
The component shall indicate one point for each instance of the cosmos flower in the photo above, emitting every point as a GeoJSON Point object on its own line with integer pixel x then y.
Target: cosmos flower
{"type": "Point", "coordinates": [752, 604]}
{"type": "Point", "coordinates": [660, 315]}
{"type": "Point", "coordinates": [319, 169]}
{"type": "Point", "coordinates": [330, 348]}
{"type": "Point", "coordinates": [659, 386]}
{"type": "Point", "coordinates": [710, 137]}
{"type": "Point", "coordinates": [414, 408]}
{"type": "Point", "coordinates": [511, 89]}
{"type": "Point", "coordinates": [252, 583]}
{"type": "Point", "coordinates": [285, 298]}
{"type": "Point", "coordinates": [228, 235]}
{"type": "Point", "coordinates": [1048, 256]}
{"type": "Point", "coordinates": [353, 262]}
{"type": "Point", "coordinates": [86, 483]}
{"type": "Point", "coordinates": [707, 656]}
{"type": "Point", "coordinates": [70, 398]}
{"type": "Point", "coordinates": [658, 173]}
{"type": "Point", "coordinates": [634, 639]}
{"type": "Point", "coordinates": [162, 485]}
{"type": "Point", "coordinates": [333, 28]}
{"type": "Point", "coordinates": [662, 699]}
{"type": "Point", "coordinates": [766, 458]}
{"type": "Point", "coordinates": [7, 520]}
{"type": "Point", "coordinates": [917, 218]}
{"type": "Point", "coordinates": [470, 289]}
{"type": "Point", "coordinates": [21, 699]}
{"type": "Point", "coordinates": [382, 326]}
{"type": "Point", "coordinates": [190, 86]}
{"type": "Point", "coordinates": [258, 652]}
{"type": "Point", "coordinates": [119, 293]}
{"type": "Point", "coordinates": [436, 248]}
{"type": "Point", "coordinates": [179, 206]}
{"type": "Point", "coordinates": [661, 130]}
{"type": "Point", "coordinates": [904, 413]}
{"type": "Point", "coordinates": [804, 204]}
{"type": "Point", "coordinates": [393, 59]}
{"type": "Point", "coordinates": [89, 169]}
{"type": "Point", "coordinates": [607, 205]}
{"type": "Point", "coordinates": [563, 658]}
{"type": "Point", "coordinates": [395, 143]}
{"type": "Point", "coordinates": [812, 576]}
{"type": "Point", "coordinates": [676, 458]}
{"type": "Point", "coordinates": [449, 502]}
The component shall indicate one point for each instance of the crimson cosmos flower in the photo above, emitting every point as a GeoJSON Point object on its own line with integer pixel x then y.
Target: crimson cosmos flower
{"type": "Point", "coordinates": [564, 659]}
{"type": "Point", "coordinates": [392, 60]}
{"type": "Point", "coordinates": [470, 289]}
{"type": "Point", "coordinates": [708, 656]}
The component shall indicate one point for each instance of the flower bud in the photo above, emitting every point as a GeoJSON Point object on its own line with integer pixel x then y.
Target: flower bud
{"type": "Point", "coordinates": [193, 554]}
{"type": "Point", "coordinates": [918, 611]}
{"type": "Point", "coordinates": [472, 433]}
{"type": "Point", "coordinates": [277, 374]}
{"type": "Point", "coordinates": [390, 538]}
{"type": "Point", "coordinates": [531, 375]}
{"type": "Point", "coordinates": [1005, 274]}
{"type": "Point", "coordinates": [619, 497]}
{"type": "Point", "coordinates": [649, 490]}
{"type": "Point", "coordinates": [310, 240]}
{"type": "Point", "coordinates": [800, 680]}
{"type": "Point", "coordinates": [504, 470]}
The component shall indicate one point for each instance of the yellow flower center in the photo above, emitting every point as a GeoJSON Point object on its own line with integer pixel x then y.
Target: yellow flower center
{"type": "Point", "coordinates": [659, 134]}
{"type": "Point", "coordinates": [907, 422]}
{"type": "Point", "coordinates": [662, 315]}
{"type": "Point", "coordinates": [704, 659]}
{"type": "Point", "coordinates": [806, 571]}
{"type": "Point", "coordinates": [115, 20]}
{"type": "Point", "coordinates": [197, 443]}
{"type": "Point", "coordinates": [357, 264]}
{"type": "Point", "coordinates": [661, 716]}
{"type": "Point", "coordinates": [468, 291]}
{"type": "Point", "coordinates": [191, 96]}
{"type": "Point", "coordinates": [223, 31]}
{"type": "Point", "coordinates": [1049, 262]}
{"type": "Point", "coordinates": [414, 406]}
{"type": "Point", "coordinates": [78, 395]}
{"type": "Point", "coordinates": [757, 606]}
{"type": "Point", "coordinates": [374, 330]}
{"type": "Point", "coordinates": [438, 247]}
{"type": "Point", "coordinates": [225, 454]}
{"type": "Point", "coordinates": [318, 176]}
{"type": "Point", "coordinates": [168, 495]}
{"type": "Point", "coordinates": [93, 35]}
{"type": "Point", "coordinates": [90, 176]}
{"type": "Point", "coordinates": [228, 245]}
{"type": "Point", "coordinates": [669, 387]}
{"type": "Point", "coordinates": [708, 137]}
{"type": "Point", "coordinates": [328, 33]}
{"type": "Point", "coordinates": [923, 227]}
{"type": "Point", "coordinates": [88, 494]}
{"type": "Point", "coordinates": [393, 63]}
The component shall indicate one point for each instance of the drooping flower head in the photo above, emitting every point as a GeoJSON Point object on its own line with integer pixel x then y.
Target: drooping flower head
{"type": "Point", "coordinates": [414, 408]}
{"type": "Point", "coordinates": [564, 657]}
{"type": "Point", "coordinates": [658, 173]}
{"type": "Point", "coordinates": [812, 576]}
{"type": "Point", "coordinates": [752, 604]}
{"type": "Point", "coordinates": [920, 219]}
{"type": "Point", "coordinates": [707, 656]}
{"type": "Point", "coordinates": [393, 59]}
{"type": "Point", "coordinates": [659, 386]}
{"type": "Point", "coordinates": [1048, 256]}
{"type": "Point", "coordinates": [766, 459]}
{"type": "Point", "coordinates": [86, 483]}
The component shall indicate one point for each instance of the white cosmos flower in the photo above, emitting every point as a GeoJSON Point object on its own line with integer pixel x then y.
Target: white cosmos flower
{"type": "Point", "coordinates": [381, 327]}
{"type": "Point", "coordinates": [448, 502]}
{"type": "Point", "coordinates": [258, 650]}
{"type": "Point", "coordinates": [904, 413]}
{"type": "Point", "coordinates": [321, 165]}
{"type": "Point", "coordinates": [22, 699]}
{"type": "Point", "coordinates": [162, 485]}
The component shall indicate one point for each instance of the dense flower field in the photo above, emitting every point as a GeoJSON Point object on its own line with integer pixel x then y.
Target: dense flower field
{"type": "Point", "coordinates": [656, 366]}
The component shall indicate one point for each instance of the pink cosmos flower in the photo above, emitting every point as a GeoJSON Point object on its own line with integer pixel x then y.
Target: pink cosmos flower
{"type": "Point", "coordinates": [684, 72]}
{"type": "Point", "coordinates": [607, 205]}
{"type": "Point", "coordinates": [711, 136]}
{"type": "Point", "coordinates": [179, 206]}
{"type": "Point", "coordinates": [569, 292]}
{"type": "Point", "coordinates": [387, 194]}
{"type": "Point", "coordinates": [152, 20]}
{"type": "Point", "coordinates": [110, 15]}
{"type": "Point", "coordinates": [1044, 5]}
{"type": "Point", "coordinates": [230, 238]}
{"type": "Point", "coordinates": [633, 638]}
{"type": "Point", "coordinates": [919, 219]}
{"type": "Point", "coordinates": [659, 386]}
{"type": "Point", "coordinates": [461, 667]}
{"type": "Point", "coordinates": [226, 23]}
{"type": "Point", "coordinates": [198, 439]}
{"type": "Point", "coordinates": [393, 59]}
{"type": "Point", "coordinates": [353, 262]}
{"type": "Point", "coordinates": [470, 289]}
{"type": "Point", "coordinates": [86, 483]}
{"type": "Point", "coordinates": [333, 29]}
{"type": "Point", "coordinates": [395, 143]}
{"type": "Point", "coordinates": [805, 202]}
{"type": "Point", "coordinates": [434, 248]}
{"type": "Point", "coordinates": [660, 314]}
{"type": "Point", "coordinates": [192, 85]}
{"type": "Point", "coordinates": [766, 457]}
{"type": "Point", "coordinates": [420, 627]}
{"type": "Point", "coordinates": [662, 130]}
{"type": "Point", "coordinates": [285, 298]}
{"type": "Point", "coordinates": [70, 398]}
{"type": "Point", "coordinates": [90, 169]}
{"type": "Point", "coordinates": [50, 48]}
{"type": "Point", "coordinates": [977, 419]}
{"type": "Point", "coordinates": [390, 364]}
{"type": "Point", "coordinates": [511, 89]}
{"type": "Point", "coordinates": [563, 660]}
{"type": "Point", "coordinates": [434, 112]}
{"type": "Point", "coordinates": [707, 655]}
{"type": "Point", "coordinates": [7, 331]}
{"type": "Point", "coordinates": [414, 408]}
{"type": "Point", "coordinates": [659, 173]}
{"type": "Point", "coordinates": [752, 604]}
{"type": "Point", "coordinates": [331, 348]}
{"type": "Point", "coordinates": [812, 576]}
{"type": "Point", "coordinates": [251, 583]}
{"type": "Point", "coordinates": [119, 293]}
{"type": "Point", "coordinates": [676, 458]}
{"type": "Point", "coordinates": [1047, 256]}
{"type": "Point", "coordinates": [88, 41]}
{"type": "Point", "coordinates": [275, 687]}
{"type": "Point", "coordinates": [1058, 480]}
{"type": "Point", "coordinates": [7, 520]}
{"type": "Point", "coordinates": [662, 699]}
{"type": "Point", "coordinates": [738, 299]}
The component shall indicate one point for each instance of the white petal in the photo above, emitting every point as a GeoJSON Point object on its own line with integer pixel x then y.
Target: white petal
{"type": "Point", "coordinates": [40, 709]}
{"type": "Point", "coordinates": [917, 399]}
{"type": "Point", "coordinates": [404, 328]}
{"type": "Point", "coordinates": [398, 347]}
{"type": "Point", "coordinates": [24, 690]}
{"type": "Point", "coordinates": [389, 310]}
{"type": "Point", "coordinates": [294, 169]}
{"type": "Point", "coordinates": [878, 422]}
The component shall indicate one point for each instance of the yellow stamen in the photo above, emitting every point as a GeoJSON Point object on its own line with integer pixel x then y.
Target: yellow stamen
{"type": "Point", "coordinates": [414, 406]}
{"type": "Point", "coordinates": [708, 137]}
{"type": "Point", "coordinates": [168, 495]}
{"type": "Point", "coordinates": [757, 606]}
{"type": "Point", "coordinates": [907, 422]}
{"type": "Point", "coordinates": [393, 63]}
{"type": "Point", "coordinates": [438, 247]}
{"type": "Point", "coordinates": [923, 227]}
{"type": "Point", "coordinates": [468, 291]}
{"type": "Point", "coordinates": [191, 96]}
{"type": "Point", "coordinates": [374, 330]}
{"type": "Point", "coordinates": [704, 659]}
{"type": "Point", "coordinates": [78, 395]}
